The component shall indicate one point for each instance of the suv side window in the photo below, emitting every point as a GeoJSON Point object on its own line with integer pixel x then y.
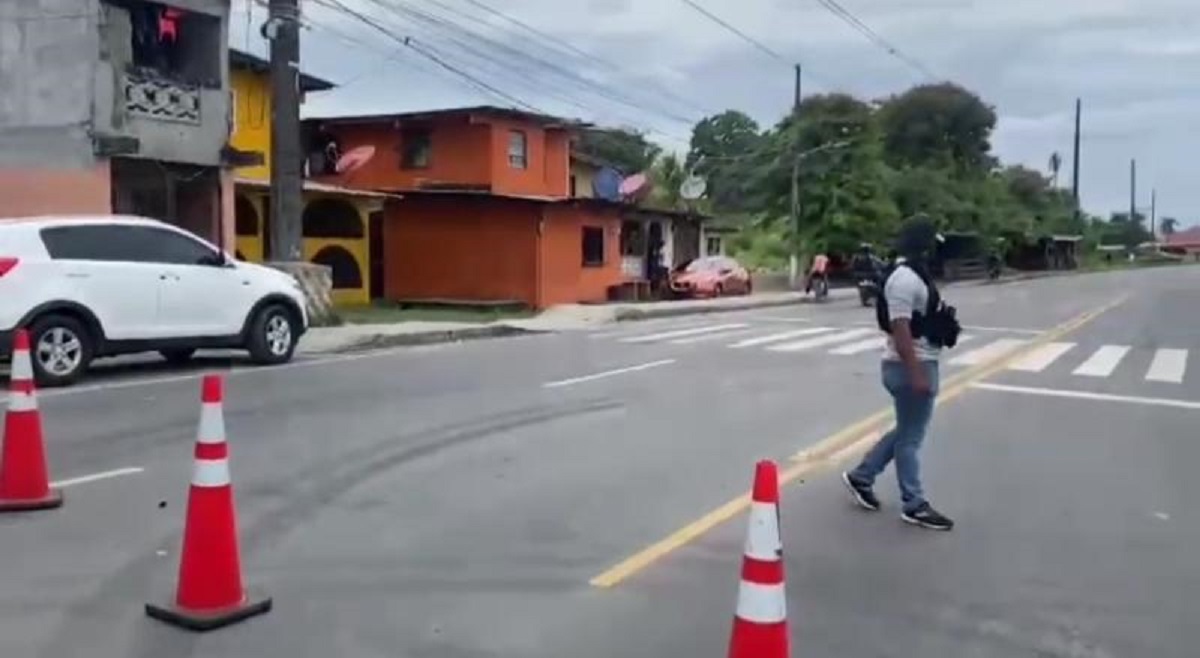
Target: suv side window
{"type": "Point", "coordinates": [92, 242]}
{"type": "Point", "coordinates": [168, 247]}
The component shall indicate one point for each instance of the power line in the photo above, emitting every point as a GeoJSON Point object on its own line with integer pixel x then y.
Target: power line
{"type": "Point", "coordinates": [770, 52]}
{"type": "Point", "coordinates": [408, 42]}
{"type": "Point", "coordinates": [588, 85]}
{"type": "Point", "coordinates": [764, 48]}
{"type": "Point", "coordinates": [848, 17]}
{"type": "Point", "coordinates": [501, 66]}
{"type": "Point", "coordinates": [571, 48]}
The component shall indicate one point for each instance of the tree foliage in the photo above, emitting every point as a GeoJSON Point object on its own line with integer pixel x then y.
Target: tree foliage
{"type": "Point", "coordinates": [627, 150]}
{"type": "Point", "coordinates": [864, 166]}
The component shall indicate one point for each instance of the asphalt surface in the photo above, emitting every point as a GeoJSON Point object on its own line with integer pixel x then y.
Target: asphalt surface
{"type": "Point", "coordinates": [455, 501]}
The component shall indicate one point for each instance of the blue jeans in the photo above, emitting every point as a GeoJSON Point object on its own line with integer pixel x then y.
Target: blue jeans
{"type": "Point", "coordinates": [913, 412]}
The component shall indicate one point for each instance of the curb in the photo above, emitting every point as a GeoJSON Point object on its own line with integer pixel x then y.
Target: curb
{"type": "Point", "coordinates": [633, 314]}
{"type": "Point", "coordinates": [379, 341]}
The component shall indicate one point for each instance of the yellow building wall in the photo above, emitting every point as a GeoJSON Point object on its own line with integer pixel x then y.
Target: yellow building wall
{"type": "Point", "coordinates": [251, 247]}
{"type": "Point", "coordinates": [252, 120]}
{"type": "Point", "coordinates": [583, 175]}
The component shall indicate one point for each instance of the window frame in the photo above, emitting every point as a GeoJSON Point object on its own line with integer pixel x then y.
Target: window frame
{"type": "Point", "coordinates": [521, 158]}
{"type": "Point", "coordinates": [595, 232]}
{"type": "Point", "coordinates": [407, 143]}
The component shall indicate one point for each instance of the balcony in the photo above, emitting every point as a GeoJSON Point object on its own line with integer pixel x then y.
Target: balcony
{"type": "Point", "coordinates": [151, 97]}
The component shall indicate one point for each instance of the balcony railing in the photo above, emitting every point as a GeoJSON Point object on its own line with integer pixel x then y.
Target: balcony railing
{"type": "Point", "coordinates": [155, 98]}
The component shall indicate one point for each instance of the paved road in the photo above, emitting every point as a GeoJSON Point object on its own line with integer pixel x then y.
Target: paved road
{"type": "Point", "coordinates": [455, 501]}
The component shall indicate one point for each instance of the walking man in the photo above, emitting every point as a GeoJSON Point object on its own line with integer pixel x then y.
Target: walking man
{"type": "Point", "coordinates": [910, 311]}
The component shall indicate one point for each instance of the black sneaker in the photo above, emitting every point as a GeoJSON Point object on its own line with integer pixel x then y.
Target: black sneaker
{"type": "Point", "coordinates": [927, 517]}
{"type": "Point", "coordinates": [863, 496]}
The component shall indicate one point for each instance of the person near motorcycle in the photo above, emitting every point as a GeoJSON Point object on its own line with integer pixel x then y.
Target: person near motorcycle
{"type": "Point", "coordinates": [818, 271]}
{"type": "Point", "coordinates": [867, 269]}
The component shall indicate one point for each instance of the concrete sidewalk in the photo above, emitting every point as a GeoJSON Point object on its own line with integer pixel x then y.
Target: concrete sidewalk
{"type": "Point", "coordinates": [567, 317]}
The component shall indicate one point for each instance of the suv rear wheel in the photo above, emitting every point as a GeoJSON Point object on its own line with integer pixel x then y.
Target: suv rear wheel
{"type": "Point", "coordinates": [272, 335]}
{"type": "Point", "coordinates": [62, 349]}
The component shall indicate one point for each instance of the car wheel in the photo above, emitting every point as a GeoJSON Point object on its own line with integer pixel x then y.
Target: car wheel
{"type": "Point", "coordinates": [272, 337]}
{"type": "Point", "coordinates": [61, 350]}
{"type": "Point", "coordinates": [719, 291]}
{"type": "Point", "coordinates": [178, 356]}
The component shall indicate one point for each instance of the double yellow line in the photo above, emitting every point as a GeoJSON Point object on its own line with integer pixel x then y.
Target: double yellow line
{"type": "Point", "coordinates": [833, 449]}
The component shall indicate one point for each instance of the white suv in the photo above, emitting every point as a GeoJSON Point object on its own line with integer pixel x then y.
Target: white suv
{"type": "Point", "coordinates": [87, 287]}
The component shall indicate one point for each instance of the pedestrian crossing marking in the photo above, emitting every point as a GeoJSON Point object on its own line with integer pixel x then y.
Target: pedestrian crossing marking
{"type": "Point", "coordinates": [1167, 366]}
{"type": "Point", "coordinates": [875, 343]}
{"type": "Point", "coordinates": [712, 335]}
{"type": "Point", "coordinates": [1103, 362]}
{"type": "Point", "coordinates": [680, 333]}
{"type": "Point", "coordinates": [1041, 357]}
{"type": "Point", "coordinates": [989, 352]}
{"type": "Point", "coordinates": [779, 337]}
{"type": "Point", "coordinates": [820, 341]}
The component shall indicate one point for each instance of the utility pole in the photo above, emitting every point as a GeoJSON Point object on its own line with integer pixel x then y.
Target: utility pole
{"type": "Point", "coordinates": [287, 185]}
{"type": "Point", "coordinates": [1075, 165]}
{"type": "Point", "coordinates": [794, 264]}
{"type": "Point", "coordinates": [1132, 190]}
{"type": "Point", "coordinates": [1153, 214]}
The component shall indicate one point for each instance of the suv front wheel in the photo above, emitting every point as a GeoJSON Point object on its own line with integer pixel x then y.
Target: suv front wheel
{"type": "Point", "coordinates": [61, 350]}
{"type": "Point", "coordinates": [272, 335]}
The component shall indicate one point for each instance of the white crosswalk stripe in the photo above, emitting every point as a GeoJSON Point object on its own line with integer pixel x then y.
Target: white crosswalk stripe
{"type": "Point", "coordinates": [714, 335]}
{"type": "Point", "coordinates": [1103, 361]}
{"type": "Point", "coordinates": [1041, 357]}
{"type": "Point", "coordinates": [1168, 366]}
{"type": "Point", "coordinates": [875, 343]}
{"type": "Point", "coordinates": [820, 341]}
{"type": "Point", "coordinates": [992, 350]}
{"type": "Point", "coordinates": [779, 337]}
{"type": "Point", "coordinates": [680, 333]}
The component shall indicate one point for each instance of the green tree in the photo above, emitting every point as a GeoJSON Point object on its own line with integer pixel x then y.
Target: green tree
{"type": "Point", "coordinates": [724, 150]}
{"type": "Point", "coordinates": [942, 125]}
{"type": "Point", "coordinates": [668, 175]}
{"type": "Point", "coordinates": [627, 150]}
{"type": "Point", "coordinates": [1168, 225]}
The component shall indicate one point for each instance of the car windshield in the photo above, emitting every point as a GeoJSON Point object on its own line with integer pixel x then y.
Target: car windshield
{"type": "Point", "coordinates": [706, 265]}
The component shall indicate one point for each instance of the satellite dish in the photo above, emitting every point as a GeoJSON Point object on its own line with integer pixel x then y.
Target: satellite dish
{"type": "Point", "coordinates": [607, 184]}
{"type": "Point", "coordinates": [634, 186]}
{"type": "Point", "coordinates": [693, 188]}
{"type": "Point", "coordinates": [354, 159]}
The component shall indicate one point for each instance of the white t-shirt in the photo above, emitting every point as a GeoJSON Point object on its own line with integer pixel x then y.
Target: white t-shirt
{"type": "Point", "coordinates": [905, 292]}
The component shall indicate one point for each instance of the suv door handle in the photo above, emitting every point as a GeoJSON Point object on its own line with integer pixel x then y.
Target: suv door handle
{"type": "Point", "coordinates": [168, 277]}
{"type": "Point", "coordinates": [78, 275]}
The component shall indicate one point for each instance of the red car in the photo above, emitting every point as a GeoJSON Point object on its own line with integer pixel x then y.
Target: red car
{"type": "Point", "coordinates": [712, 276]}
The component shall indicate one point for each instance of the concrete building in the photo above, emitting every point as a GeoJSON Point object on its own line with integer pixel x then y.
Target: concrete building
{"type": "Point", "coordinates": [118, 106]}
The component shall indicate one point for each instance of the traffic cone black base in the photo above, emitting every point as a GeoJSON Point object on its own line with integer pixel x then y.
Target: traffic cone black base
{"type": "Point", "coordinates": [193, 620]}
{"type": "Point", "coordinates": [49, 501]}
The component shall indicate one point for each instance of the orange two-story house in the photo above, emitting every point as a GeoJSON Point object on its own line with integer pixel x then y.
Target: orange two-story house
{"type": "Point", "coordinates": [485, 213]}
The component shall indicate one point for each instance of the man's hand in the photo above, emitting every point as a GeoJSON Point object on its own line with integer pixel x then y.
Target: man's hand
{"type": "Point", "coordinates": [920, 383]}
{"type": "Point", "coordinates": [902, 336]}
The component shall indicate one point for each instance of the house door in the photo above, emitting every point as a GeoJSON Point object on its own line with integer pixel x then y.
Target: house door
{"type": "Point", "coordinates": [375, 254]}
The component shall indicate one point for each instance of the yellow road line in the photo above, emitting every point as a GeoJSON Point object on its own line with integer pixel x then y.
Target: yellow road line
{"type": "Point", "coordinates": [832, 450]}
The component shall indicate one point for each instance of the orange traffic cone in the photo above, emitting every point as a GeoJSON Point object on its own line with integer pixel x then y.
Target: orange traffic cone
{"type": "Point", "coordinates": [210, 593]}
{"type": "Point", "coordinates": [24, 481]}
{"type": "Point", "coordinates": [760, 625]}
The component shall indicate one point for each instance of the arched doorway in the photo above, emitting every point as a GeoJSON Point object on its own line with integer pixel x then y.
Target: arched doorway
{"type": "Point", "coordinates": [347, 275]}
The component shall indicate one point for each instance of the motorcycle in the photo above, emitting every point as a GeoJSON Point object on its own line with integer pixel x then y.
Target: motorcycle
{"type": "Point", "coordinates": [868, 290]}
{"type": "Point", "coordinates": [820, 288]}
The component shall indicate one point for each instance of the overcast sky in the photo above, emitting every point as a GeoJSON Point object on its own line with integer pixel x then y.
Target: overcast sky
{"type": "Point", "coordinates": [659, 65]}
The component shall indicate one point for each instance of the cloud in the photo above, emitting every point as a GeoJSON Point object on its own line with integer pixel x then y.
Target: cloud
{"type": "Point", "coordinates": [661, 65]}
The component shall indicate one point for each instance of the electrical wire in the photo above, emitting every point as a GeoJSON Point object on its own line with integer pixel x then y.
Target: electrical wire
{"type": "Point", "coordinates": [409, 42]}
{"type": "Point", "coordinates": [472, 45]}
{"type": "Point", "coordinates": [834, 7]}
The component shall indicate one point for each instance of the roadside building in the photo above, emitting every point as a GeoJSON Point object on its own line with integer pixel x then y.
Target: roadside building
{"type": "Point", "coordinates": [336, 220]}
{"type": "Point", "coordinates": [118, 106]}
{"type": "Point", "coordinates": [486, 213]}
{"type": "Point", "coordinates": [1184, 242]}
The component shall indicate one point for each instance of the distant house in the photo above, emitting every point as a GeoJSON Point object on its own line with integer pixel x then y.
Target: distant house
{"type": "Point", "coordinates": [336, 221]}
{"type": "Point", "coordinates": [1187, 241]}
{"type": "Point", "coordinates": [487, 213]}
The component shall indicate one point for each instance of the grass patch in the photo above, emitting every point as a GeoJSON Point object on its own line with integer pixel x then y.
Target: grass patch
{"type": "Point", "coordinates": [391, 313]}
